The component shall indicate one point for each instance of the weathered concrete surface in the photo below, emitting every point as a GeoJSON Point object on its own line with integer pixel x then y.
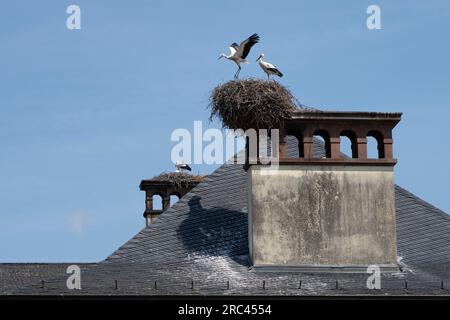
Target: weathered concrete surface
{"type": "Point", "coordinates": [322, 215]}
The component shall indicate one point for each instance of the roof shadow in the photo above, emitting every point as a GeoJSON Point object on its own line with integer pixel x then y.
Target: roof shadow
{"type": "Point", "coordinates": [215, 232]}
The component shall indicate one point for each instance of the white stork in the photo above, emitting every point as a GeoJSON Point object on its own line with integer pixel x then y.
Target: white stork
{"type": "Point", "coordinates": [180, 166]}
{"type": "Point", "coordinates": [238, 53]}
{"type": "Point", "coordinates": [267, 67]}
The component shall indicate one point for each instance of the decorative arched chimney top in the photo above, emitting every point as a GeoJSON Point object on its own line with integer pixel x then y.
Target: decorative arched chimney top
{"type": "Point", "coordinates": [166, 185]}
{"type": "Point", "coordinates": [331, 126]}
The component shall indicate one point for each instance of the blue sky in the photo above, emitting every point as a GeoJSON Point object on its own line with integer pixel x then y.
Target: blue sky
{"type": "Point", "coordinates": [86, 114]}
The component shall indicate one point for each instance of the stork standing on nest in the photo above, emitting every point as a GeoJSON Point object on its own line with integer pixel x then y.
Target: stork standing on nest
{"type": "Point", "coordinates": [267, 67]}
{"type": "Point", "coordinates": [180, 166]}
{"type": "Point", "coordinates": [238, 53]}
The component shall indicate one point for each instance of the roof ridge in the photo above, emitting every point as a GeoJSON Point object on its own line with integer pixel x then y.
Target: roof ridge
{"type": "Point", "coordinates": [422, 202]}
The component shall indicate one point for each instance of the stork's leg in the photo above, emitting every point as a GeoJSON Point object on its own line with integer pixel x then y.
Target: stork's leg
{"type": "Point", "coordinates": [236, 75]}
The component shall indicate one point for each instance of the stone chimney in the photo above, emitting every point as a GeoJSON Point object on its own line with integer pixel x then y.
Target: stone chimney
{"type": "Point", "coordinates": [331, 212]}
{"type": "Point", "coordinates": [166, 185]}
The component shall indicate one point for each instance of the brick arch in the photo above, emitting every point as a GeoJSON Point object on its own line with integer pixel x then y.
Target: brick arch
{"type": "Point", "coordinates": [326, 138]}
{"type": "Point", "coordinates": [380, 142]}
{"type": "Point", "coordinates": [153, 200]}
{"type": "Point", "coordinates": [175, 193]}
{"type": "Point", "coordinates": [298, 134]}
{"type": "Point", "coordinates": [353, 139]}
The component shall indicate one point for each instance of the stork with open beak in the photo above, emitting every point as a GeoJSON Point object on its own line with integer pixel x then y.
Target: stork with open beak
{"type": "Point", "coordinates": [268, 68]}
{"type": "Point", "coordinates": [238, 53]}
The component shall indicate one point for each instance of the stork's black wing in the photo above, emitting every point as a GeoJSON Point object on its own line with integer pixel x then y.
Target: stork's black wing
{"type": "Point", "coordinates": [246, 45]}
{"type": "Point", "coordinates": [276, 71]}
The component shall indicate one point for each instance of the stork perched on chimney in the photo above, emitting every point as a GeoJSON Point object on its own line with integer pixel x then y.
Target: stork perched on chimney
{"type": "Point", "coordinates": [238, 53]}
{"type": "Point", "coordinates": [180, 166]}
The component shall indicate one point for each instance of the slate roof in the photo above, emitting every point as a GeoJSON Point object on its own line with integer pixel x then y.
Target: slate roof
{"type": "Point", "coordinates": [14, 276]}
{"type": "Point", "coordinates": [200, 247]}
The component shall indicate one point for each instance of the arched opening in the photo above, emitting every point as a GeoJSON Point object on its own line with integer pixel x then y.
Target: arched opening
{"type": "Point", "coordinates": [375, 145]}
{"type": "Point", "coordinates": [372, 148]}
{"type": "Point", "coordinates": [349, 145]}
{"type": "Point", "coordinates": [174, 197]}
{"type": "Point", "coordinates": [157, 202]}
{"type": "Point", "coordinates": [321, 144]}
{"type": "Point", "coordinates": [346, 146]}
{"type": "Point", "coordinates": [292, 146]}
{"type": "Point", "coordinates": [295, 147]}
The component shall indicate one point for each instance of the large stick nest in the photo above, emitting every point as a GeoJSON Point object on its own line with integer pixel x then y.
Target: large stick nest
{"type": "Point", "coordinates": [252, 103]}
{"type": "Point", "coordinates": [178, 179]}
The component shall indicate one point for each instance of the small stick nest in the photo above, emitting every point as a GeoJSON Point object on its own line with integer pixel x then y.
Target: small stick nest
{"type": "Point", "coordinates": [178, 179]}
{"type": "Point", "coordinates": [252, 103]}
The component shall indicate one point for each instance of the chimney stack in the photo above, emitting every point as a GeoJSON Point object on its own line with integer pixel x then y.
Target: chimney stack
{"type": "Point", "coordinates": [330, 212]}
{"type": "Point", "coordinates": [166, 185]}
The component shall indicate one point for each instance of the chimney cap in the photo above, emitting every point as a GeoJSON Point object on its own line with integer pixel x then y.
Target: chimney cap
{"type": "Point", "coordinates": [347, 115]}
